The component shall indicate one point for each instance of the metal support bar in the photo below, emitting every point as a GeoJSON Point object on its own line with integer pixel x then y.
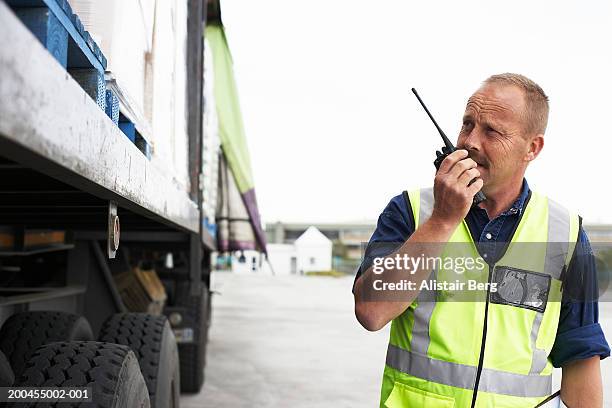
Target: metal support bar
{"type": "Point", "coordinates": [195, 70]}
{"type": "Point", "coordinates": [19, 239]}
{"type": "Point", "coordinates": [36, 251]}
{"type": "Point", "coordinates": [108, 277]}
{"type": "Point", "coordinates": [195, 264]}
{"type": "Point", "coordinates": [137, 236]}
{"type": "Point", "coordinates": [31, 295]}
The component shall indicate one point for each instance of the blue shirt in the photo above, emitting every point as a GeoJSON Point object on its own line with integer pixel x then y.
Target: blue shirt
{"type": "Point", "coordinates": [579, 334]}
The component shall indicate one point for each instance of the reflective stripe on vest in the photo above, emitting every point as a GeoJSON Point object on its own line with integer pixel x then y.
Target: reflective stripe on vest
{"type": "Point", "coordinates": [562, 228]}
{"type": "Point", "coordinates": [556, 249]}
{"type": "Point", "coordinates": [461, 375]}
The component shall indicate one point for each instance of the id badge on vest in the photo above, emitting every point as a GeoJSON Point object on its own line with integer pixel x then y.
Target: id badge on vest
{"type": "Point", "coordinates": [520, 288]}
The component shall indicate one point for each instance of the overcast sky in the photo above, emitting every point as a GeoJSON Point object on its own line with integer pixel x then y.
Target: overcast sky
{"type": "Point", "coordinates": [334, 131]}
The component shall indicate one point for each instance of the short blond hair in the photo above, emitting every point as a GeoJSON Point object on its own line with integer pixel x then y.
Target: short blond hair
{"type": "Point", "coordinates": [536, 101]}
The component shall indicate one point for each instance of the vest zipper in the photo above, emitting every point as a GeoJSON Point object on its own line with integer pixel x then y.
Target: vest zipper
{"type": "Point", "coordinates": [484, 339]}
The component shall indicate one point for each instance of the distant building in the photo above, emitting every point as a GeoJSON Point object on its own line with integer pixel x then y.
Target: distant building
{"type": "Point", "coordinates": [283, 259]}
{"type": "Point", "coordinates": [598, 232]}
{"type": "Point", "coordinates": [348, 239]}
{"type": "Point", "coordinates": [313, 251]}
{"type": "Point", "coordinates": [310, 252]}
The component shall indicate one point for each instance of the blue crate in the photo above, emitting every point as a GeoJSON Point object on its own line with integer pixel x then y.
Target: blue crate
{"type": "Point", "coordinates": [48, 29]}
{"type": "Point", "coordinates": [83, 52]}
{"type": "Point", "coordinates": [62, 33]}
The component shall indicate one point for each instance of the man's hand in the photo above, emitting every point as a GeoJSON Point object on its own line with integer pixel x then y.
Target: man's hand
{"type": "Point", "coordinates": [453, 196]}
{"type": "Point", "coordinates": [453, 192]}
{"type": "Point", "coordinates": [581, 384]}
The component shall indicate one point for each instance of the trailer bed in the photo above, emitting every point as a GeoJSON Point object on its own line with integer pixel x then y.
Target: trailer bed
{"type": "Point", "coordinates": [48, 123]}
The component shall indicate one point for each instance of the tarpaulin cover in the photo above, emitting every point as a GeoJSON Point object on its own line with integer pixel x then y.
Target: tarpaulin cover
{"type": "Point", "coordinates": [231, 234]}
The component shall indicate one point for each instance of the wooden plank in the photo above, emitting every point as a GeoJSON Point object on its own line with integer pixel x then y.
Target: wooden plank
{"type": "Point", "coordinates": [74, 18]}
{"type": "Point", "coordinates": [50, 124]}
{"type": "Point", "coordinates": [84, 33]}
{"type": "Point", "coordinates": [64, 6]}
{"type": "Point", "coordinates": [47, 28]}
{"type": "Point", "coordinates": [95, 49]}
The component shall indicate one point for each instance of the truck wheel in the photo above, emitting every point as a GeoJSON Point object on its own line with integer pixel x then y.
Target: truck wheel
{"type": "Point", "coordinates": [23, 332]}
{"type": "Point", "coordinates": [152, 340]}
{"type": "Point", "coordinates": [193, 355]}
{"type": "Point", "coordinates": [110, 370]}
{"type": "Point", "coordinates": [7, 377]}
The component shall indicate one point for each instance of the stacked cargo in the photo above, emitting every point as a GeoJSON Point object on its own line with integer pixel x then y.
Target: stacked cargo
{"type": "Point", "coordinates": [145, 44]}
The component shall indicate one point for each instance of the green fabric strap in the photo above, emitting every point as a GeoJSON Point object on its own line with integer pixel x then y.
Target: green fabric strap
{"type": "Point", "coordinates": [231, 127]}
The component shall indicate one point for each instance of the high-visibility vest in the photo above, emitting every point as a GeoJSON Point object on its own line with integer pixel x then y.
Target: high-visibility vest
{"type": "Point", "coordinates": [491, 351]}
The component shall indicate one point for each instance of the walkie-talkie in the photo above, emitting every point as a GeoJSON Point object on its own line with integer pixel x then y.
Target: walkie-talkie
{"type": "Point", "coordinates": [447, 149]}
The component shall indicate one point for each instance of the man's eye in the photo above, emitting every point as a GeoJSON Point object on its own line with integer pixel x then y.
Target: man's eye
{"type": "Point", "coordinates": [491, 130]}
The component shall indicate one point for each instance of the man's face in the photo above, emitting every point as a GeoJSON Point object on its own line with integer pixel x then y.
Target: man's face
{"type": "Point", "coordinates": [493, 133]}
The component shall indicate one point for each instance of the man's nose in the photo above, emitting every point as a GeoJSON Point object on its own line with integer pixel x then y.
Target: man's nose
{"type": "Point", "coordinates": [470, 141]}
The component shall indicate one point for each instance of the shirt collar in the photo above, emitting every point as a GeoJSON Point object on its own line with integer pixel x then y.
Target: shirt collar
{"type": "Point", "coordinates": [518, 206]}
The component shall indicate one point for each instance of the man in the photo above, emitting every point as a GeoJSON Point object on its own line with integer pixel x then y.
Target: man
{"type": "Point", "coordinates": [496, 350]}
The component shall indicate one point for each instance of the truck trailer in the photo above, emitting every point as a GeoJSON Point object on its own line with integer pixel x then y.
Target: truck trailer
{"type": "Point", "coordinates": [123, 172]}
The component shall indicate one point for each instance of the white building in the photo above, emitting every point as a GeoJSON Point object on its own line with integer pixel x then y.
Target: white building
{"type": "Point", "coordinates": [283, 259]}
{"type": "Point", "coordinates": [311, 251]}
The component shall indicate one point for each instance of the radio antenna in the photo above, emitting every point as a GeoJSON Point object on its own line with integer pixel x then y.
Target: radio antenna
{"type": "Point", "coordinates": [444, 138]}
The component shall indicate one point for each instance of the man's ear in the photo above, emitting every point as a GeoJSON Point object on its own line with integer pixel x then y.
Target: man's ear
{"type": "Point", "coordinates": [534, 147]}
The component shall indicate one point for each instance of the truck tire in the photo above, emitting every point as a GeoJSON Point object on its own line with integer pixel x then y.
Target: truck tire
{"type": "Point", "coordinates": [7, 377]}
{"type": "Point", "coordinates": [193, 355]}
{"type": "Point", "coordinates": [111, 370]}
{"type": "Point", "coordinates": [152, 340]}
{"type": "Point", "coordinates": [24, 332]}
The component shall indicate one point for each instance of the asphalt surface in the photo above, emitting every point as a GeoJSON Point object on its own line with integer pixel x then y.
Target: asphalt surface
{"type": "Point", "coordinates": [293, 341]}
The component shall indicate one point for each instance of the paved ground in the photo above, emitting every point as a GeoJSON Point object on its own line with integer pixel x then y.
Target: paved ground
{"type": "Point", "coordinates": [294, 342]}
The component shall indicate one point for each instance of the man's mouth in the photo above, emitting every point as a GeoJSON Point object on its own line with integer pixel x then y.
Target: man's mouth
{"type": "Point", "coordinates": [481, 163]}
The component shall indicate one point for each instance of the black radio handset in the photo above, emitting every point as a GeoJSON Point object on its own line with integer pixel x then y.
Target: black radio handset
{"type": "Point", "coordinates": [447, 149]}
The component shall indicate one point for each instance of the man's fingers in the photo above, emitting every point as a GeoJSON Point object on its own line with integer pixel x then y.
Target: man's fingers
{"type": "Point", "coordinates": [462, 166]}
{"type": "Point", "coordinates": [451, 159]}
{"type": "Point", "coordinates": [468, 176]}
{"type": "Point", "coordinates": [475, 187]}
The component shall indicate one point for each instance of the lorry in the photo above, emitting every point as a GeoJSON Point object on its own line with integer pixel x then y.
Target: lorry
{"type": "Point", "coordinates": [123, 171]}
